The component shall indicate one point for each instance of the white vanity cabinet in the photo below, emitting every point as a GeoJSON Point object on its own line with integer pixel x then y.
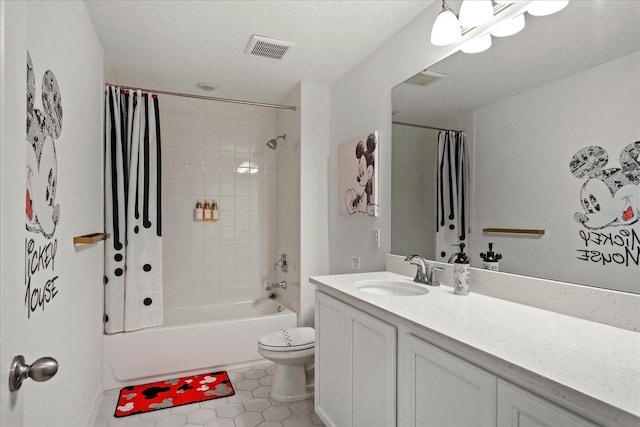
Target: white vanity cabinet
{"type": "Point", "coordinates": [355, 366]}
{"type": "Point", "coordinates": [436, 388]}
{"type": "Point", "coordinates": [519, 408]}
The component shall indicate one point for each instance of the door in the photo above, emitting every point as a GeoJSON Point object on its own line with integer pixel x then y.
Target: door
{"type": "Point", "coordinates": [14, 331]}
{"type": "Point", "coordinates": [371, 367]}
{"type": "Point", "coordinates": [51, 291]}
{"type": "Point", "coordinates": [355, 366]}
{"type": "Point", "coordinates": [330, 366]}
{"type": "Point", "coordinates": [439, 389]}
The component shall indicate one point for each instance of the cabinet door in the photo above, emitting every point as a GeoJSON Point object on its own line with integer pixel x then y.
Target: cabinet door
{"type": "Point", "coordinates": [355, 366]}
{"type": "Point", "coordinates": [518, 408]}
{"type": "Point", "coordinates": [439, 389]}
{"type": "Point", "coordinates": [371, 366]}
{"type": "Point", "coordinates": [330, 365]}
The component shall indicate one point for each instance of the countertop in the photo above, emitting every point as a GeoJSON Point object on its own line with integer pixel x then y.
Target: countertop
{"type": "Point", "coordinates": [587, 364]}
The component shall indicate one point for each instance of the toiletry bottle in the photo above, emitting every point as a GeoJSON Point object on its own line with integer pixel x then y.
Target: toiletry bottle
{"type": "Point", "coordinates": [216, 212]}
{"type": "Point", "coordinates": [207, 212]}
{"type": "Point", "coordinates": [490, 259]}
{"type": "Point", "coordinates": [197, 211]}
{"type": "Point", "coordinates": [461, 272]}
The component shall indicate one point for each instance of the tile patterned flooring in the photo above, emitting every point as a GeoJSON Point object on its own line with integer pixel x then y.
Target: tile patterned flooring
{"type": "Point", "coordinates": [249, 407]}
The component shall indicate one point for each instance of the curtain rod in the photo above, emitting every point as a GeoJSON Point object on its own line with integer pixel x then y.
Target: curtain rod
{"type": "Point", "coordinates": [208, 98]}
{"type": "Point", "coordinates": [424, 126]}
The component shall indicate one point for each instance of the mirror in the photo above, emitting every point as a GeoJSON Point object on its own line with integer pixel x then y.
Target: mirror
{"type": "Point", "coordinates": [552, 121]}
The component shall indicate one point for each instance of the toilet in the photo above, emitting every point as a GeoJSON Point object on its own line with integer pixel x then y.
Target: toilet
{"type": "Point", "coordinates": [291, 350]}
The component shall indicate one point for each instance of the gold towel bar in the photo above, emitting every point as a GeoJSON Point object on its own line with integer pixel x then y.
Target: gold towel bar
{"type": "Point", "coordinates": [89, 239]}
{"type": "Point", "coordinates": [513, 231]}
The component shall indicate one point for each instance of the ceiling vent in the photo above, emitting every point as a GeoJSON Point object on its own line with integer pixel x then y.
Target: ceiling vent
{"type": "Point", "coordinates": [267, 47]}
{"type": "Point", "coordinates": [425, 77]}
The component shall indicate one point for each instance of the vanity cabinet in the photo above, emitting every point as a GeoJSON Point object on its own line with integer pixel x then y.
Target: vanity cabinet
{"type": "Point", "coordinates": [355, 366]}
{"type": "Point", "coordinates": [436, 388]}
{"type": "Point", "coordinates": [519, 408]}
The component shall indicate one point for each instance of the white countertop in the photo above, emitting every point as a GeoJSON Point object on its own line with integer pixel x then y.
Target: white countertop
{"type": "Point", "coordinates": [588, 364]}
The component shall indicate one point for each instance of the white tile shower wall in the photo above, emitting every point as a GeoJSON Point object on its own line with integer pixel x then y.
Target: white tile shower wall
{"type": "Point", "coordinates": [205, 146]}
{"type": "Point", "coordinates": [288, 199]}
{"type": "Point", "coordinates": [288, 218]}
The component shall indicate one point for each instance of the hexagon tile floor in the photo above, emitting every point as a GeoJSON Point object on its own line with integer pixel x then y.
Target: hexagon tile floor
{"type": "Point", "coordinates": [249, 407]}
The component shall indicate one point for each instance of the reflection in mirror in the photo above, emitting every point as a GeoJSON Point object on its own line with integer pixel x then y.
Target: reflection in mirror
{"type": "Point", "coordinates": [552, 119]}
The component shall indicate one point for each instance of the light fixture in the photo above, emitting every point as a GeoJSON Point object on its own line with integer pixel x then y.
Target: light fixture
{"type": "Point", "coordinates": [547, 7]}
{"type": "Point", "coordinates": [509, 27]}
{"type": "Point", "coordinates": [446, 29]}
{"type": "Point", "coordinates": [477, 45]}
{"type": "Point", "coordinates": [474, 13]}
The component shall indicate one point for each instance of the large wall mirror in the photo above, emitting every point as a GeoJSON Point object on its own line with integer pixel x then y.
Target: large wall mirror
{"type": "Point", "coordinates": [552, 122]}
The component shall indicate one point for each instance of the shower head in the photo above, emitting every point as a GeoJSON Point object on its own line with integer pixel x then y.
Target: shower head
{"type": "Point", "coordinates": [273, 143]}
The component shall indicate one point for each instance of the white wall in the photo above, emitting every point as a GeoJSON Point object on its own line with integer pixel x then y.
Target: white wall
{"type": "Point", "coordinates": [522, 177]}
{"type": "Point", "coordinates": [288, 200]}
{"type": "Point", "coordinates": [314, 221]}
{"type": "Point", "coordinates": [203, 143]}
{"type": "Point", "coordinates": [360, 103]}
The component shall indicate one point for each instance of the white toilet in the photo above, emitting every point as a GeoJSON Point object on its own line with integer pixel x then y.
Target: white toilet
{"type": "Point", "coordinates": [291, 350]}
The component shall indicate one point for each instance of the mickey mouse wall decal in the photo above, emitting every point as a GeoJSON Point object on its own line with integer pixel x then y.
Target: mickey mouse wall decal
{"type": "Point", "coordinates": [362, 200]}
{"type": "Point", "coordinates": [609, 197]}
{"type": "Point", "coordinates": [43, 127]}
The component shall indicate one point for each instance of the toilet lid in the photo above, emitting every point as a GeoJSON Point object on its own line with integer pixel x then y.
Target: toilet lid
{"type": "Point", "coordinates": [287, 338]}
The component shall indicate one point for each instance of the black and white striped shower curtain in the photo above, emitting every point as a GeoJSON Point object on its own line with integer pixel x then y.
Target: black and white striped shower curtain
{"type": "Point", "coordinates": [132, 189]}
{"type": "Point", "coordinates": [453, 198]}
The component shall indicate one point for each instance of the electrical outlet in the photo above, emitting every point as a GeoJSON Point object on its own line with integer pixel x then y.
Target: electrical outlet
{"type": "Point", "coordinates": [376, 236]}
{"type": "Point", "coordinates": [355, 262]}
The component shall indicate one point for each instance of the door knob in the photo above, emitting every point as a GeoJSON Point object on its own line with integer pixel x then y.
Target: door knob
{"type": "Point", "coordinates": [42, 369]}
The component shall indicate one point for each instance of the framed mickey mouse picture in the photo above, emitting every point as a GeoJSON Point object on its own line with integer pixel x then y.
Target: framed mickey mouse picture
{"type": "Point", "coordinates": [358, 176]}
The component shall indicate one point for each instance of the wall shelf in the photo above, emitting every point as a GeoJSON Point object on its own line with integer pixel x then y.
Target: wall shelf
{"type": "Point", "coordinates": [89, 239]}
{"type": "Point", "coordinates": [513, 231]}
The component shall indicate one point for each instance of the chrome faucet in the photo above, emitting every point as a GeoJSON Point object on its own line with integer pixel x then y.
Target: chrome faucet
{"type": "Point", "coordinates": [424, 272]}
{"type": "Point", "coordinates": [283, 262]}
{"type": "Point", "coordinates": [270, 286]}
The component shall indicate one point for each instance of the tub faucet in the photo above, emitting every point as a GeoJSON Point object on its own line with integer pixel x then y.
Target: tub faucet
{"type": "Point", "coordinates": [270, 286]}
{"type": "Point", "coordinates": [283, 263]}
{"type": "Point", "coordinates": [424, 273]}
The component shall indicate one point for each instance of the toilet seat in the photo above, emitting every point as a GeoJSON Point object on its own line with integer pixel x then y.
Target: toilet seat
{"type": "Point", "coordinates": [293, 339]}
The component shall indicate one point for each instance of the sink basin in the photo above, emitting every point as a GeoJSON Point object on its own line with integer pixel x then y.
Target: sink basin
{"type": "Point", "coordinates": [391, 288]}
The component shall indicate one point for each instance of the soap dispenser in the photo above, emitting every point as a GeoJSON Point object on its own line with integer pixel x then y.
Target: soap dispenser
{"type": "Point", "coordinates": [490, 259]}
{"type": "Point", "coordinates": [460, 272]}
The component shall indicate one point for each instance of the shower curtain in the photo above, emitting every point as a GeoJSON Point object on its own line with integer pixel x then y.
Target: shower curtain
{"type": "Point", "coordinates": [453, 199]}
{"type": "Point", "coordinates": [132, 189]}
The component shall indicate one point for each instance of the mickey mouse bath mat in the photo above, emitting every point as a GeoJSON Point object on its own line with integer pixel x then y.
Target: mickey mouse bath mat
{"type": "Point", "coordinates": [170, 393]}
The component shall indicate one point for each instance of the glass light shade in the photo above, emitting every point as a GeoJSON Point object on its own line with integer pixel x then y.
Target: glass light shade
{"type": "Point", "coordinates": [547, 7]}
{"type": "Point", "coordinates": [477, 45]}
{"type": "Point", "coordinates": [509, 28]}
{"type": "Point", "coordinates": [475, 12]}
{"type": "Point", "coordinates": [446, 29]}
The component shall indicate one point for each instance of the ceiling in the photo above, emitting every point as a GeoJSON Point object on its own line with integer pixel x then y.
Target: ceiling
{"type": "Point", "coordinates": [581, 36]}
{"type": "Point", "coordinates": [172, 45]}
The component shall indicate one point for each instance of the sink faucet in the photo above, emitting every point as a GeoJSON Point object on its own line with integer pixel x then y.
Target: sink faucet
{"type": "Point", "coordinates": [270, 286]}
{"type": "Point", "coordinates": [424, 273]}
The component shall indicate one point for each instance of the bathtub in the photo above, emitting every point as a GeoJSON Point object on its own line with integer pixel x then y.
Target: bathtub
{"type": "Point", "coordinates": [192, 340]}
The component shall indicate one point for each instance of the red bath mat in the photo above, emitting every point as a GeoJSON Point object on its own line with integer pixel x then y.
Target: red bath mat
{"type": "Point", "coordinates": [170, 393]}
